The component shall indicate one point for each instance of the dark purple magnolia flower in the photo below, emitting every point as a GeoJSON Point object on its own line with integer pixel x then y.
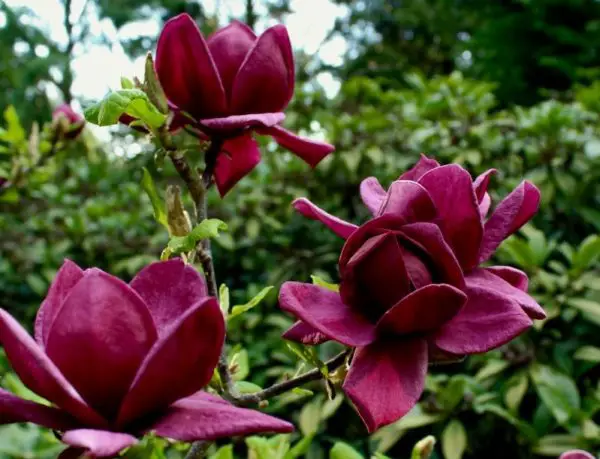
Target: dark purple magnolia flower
{"type": "Point", "coordinates": [118, 361]}
{"type": "Point", "coordinates": [411, 291]}
{"type": "Point", "coordinates": [576, 454]}
{"type": "Point", "coordinates": [233, 84]}
{"type": "Point", "coordinates": [76, 121]}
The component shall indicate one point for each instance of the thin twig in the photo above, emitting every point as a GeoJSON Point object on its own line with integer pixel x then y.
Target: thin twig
{"type": "Point", "coordinates": [282, 387]}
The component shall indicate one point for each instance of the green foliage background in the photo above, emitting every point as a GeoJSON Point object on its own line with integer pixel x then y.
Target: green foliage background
{"type": "Point", "coordinates": [523, 100]}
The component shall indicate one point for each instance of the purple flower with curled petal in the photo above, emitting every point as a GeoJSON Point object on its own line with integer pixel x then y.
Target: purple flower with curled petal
{"type": "Point", "coordinates": [117, 361]}
{"type": "Point", "coordinates": [411, 291]}
{"type": "Point", "coordinates": [232, 85]}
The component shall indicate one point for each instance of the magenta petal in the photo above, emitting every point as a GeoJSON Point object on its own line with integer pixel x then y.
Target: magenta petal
{"type": "Point", "coordinates": [512, 213]}
{"type": "Point", "coordinates": [484, 205]}
{"type": "Point", "coordinates": [265, 81]}
{"type": "Point", "coordinates": [98, 443]}
{"type": "Point", "coordinates": [386, 380]}
{"type": "Point", "coordinates": [240, 122]}
{"type": "Point", "coordinates": [487, 279]}
{"type": "Point", "coordinates": [310, 151]}
{"type": "Point", "coordinates": [451, 190]}
{"type": "Point", "coordinates": [169, 288]}
{"type": "Point", "coordinates": [305, 334]}
{"type": "Point", "coordinates": [186, 69]}
{"type": "Point", "coordinates": [429, 238]}
{"type": "Point", "coordinates": [228, 47]}
{"type": "Point", "coordinates": [409, 201]}
{"type": "Point", "coordinates": [15, 409]}
{"type": "Point", "coordinates": [372, 194]}
{"type": "Point", "coordinates": [375, 274]}
{"type": "Point", "coordinates": [487, 321]}
{"type": "Point", "coordinates": [423, 166]}
{"type": "Point", "coordinates": [513, 276]}
{"type": "Point", "coordinates": [480, 185]}
{"type": "Point", "coordinates": [180, 363]}
{"type": "Point", "coordinates": [66, 277]}
{"type": "Point", "coordinates": [100, 337]}
{"type": "Point", "coordinates": [423, 310]}
{"type": "Point", "coordinates": [576, 454]}
{"type": "Point", "coordinates": [237, 158]}
{"type": "Point", "coordinates": [323, 309]}
{"type": "Point", "coordinates": [206, 417]}
{"type": "Point", "coordinates": [340, 227]}
{"type": "Point", "coordinates": [39, 373]}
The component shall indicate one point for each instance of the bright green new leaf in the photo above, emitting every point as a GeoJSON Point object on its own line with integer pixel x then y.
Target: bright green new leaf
{"type": "Point", "coordinates": [133, 102]}
{"type": "Point", "coordinates": [158, 207]}
{"type": "Point", "coordinates": [14, 132]}
{"type": "Point", "coordinates": [309, 355]}
{"type": "Point", "coordinates": [590, 309]}
{"type": "Point", "coordinates": [344, 451]}
{"type": "Point", "coordinates": [206, 229]}
{"type": "Point", "coordinates": [454, 440]}
{"type": "Point", "coordinates": [424, 448]}
{"type": "Point", "coordinates": [224, 299]}
{"type": "Point", "coordinates": [224, 452]}
{"type": "Point", "coordinates": [517, 387]}
{"type": "Point", "coordinates": [242, 308]}
{"type": "Point", "coordinates": [300, 448]}
{"type": "Point", "coordinates": [587, 253]}
{"type": "Point", "coordinates": [320, 282]}
{"type": "Point", "coordinates": [247, 387]}
{"type": "Point", "coordinates": [588, 353]}
{"type": "Point", "coordinates": [126, 83]}
{"type": "Point", "coordinates": [554, 445]}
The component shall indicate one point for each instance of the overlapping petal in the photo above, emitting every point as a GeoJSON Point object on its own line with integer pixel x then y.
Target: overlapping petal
{"type": "Point", "coordinates": [228, 124]}
{"type": "Point", "coordinates": [187, 71]}
{"type": "Point", "coordinates": [510, 215]}
{"type": "Point", "coordinates": [206, 417]}
{"type": "Point", "coordinates": [179, 364]}
{"type": "Point", "coordinates": [423, 310]}
{"type": "Point", "coordinates": [39, 373]}
{"type": "Point", "coordinates": [265, 80]}
{"type": "Point", "coordinates": [423, 166]}
{"type": "Point", "coordinates": [451, 190]}
{"type": "Point", "coordinates": [373, 195]}
{"type": "Point", "coordinates": [409, 201]}
{"type": "Point", "coordinates": [487, 321]}
{"type": "Point", "coordinates": [324, 310]}
{"type": "Point", "coordinates": [99, 347]}
{"type": "Point", "coordinates": [386, 380]}
{"type": "Point", "coordinates": [15, 409]}
{"type": "Point", "coordinates": [238, 157]}
{"type": "Point", "coordinates": [66, 277]}
{"type": "Point", "coordinates": [169, 289]}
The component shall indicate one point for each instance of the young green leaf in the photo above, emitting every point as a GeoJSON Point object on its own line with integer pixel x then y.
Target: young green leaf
{"type": "Point", "coordinates": [454, 440]}
{"type": "Point", "coordinates": [320, 282]}
{"type": "Point", "coordinates": [242, 308]}
{"type": "Point", "coordinates": [133, 102]}
{"type": "Point", "coordinates": [343, 450]}
{"type": "Point", "coordinates": [423, 448]}
{"type": "Point", "coordinates": [157, 205]}
{"type": "Point", "coordinates": [224, 299]}
{"type": "Point", "coordinates": [206, 229]}
{"type": "Point", "coordinates": [224, 452]}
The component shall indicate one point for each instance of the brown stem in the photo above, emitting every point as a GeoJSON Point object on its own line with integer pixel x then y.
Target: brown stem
{"type": "Point", "coordinates": [285, 386]}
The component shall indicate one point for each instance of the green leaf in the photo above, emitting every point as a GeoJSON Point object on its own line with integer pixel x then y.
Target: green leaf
{"type": "Point", "coordinates": [554, 445]}
{"type": "Point", "coordinates": [343, 450]}
{"type": "Point", "coordinates": [224, 299]}
{"type": "Point", "coordinates": [133, 102]}
{"type": "Point", "coordinates": [517, 387]}
{"type": "Point", "coordinates": [588, 353]}
{"type": "Point", "coordinates": [240, 361]}
{"type": "Point", "coordinates": [158, 207]}
{"type": "Point", "coordinates": [309, 355]}
{"type": "Point", "coordinates": [302, 392]}
{"type": "Point", "coordinates": [310, 417]}
{"type": "Point", "coordinates": [587, 253]}
{"type": "Point", "coordinates": [300, 448]}
{"type": "Point", "coordinates": [152, 86]}
{"type": "Point", "coordinates": [126, 83]}
{"type": "Point", "coordinates": [224, 452]}
{"type": "Point", "coordinates": [14, 132]}
{"type": "Point", "coordinates": [206, 229]}
{"type": "Point", "coordinates": [557, 391]}
{"type": "Point", "coordinates": [242, 308]}
{"type": "Point", "coordinates": [454, 440]}
{"type": "Point", "coordinates": [492, 368]}
{"type": "Point", "coordinates": [589, 309]}
{"type": "Point", "coordinates": [246, 387]}
{"type": "Point", "coordinates": [496, 410]}
{"type": "Point", "coordinates": [320, 282]}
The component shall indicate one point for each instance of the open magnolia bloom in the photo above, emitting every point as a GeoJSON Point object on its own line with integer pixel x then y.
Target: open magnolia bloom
{"type": "Point", "coordinates": [117, 361]}
{"type": "Point", "coordinates": [233, 84]}
{"type": "Point", "coordinates": [411, 291]}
